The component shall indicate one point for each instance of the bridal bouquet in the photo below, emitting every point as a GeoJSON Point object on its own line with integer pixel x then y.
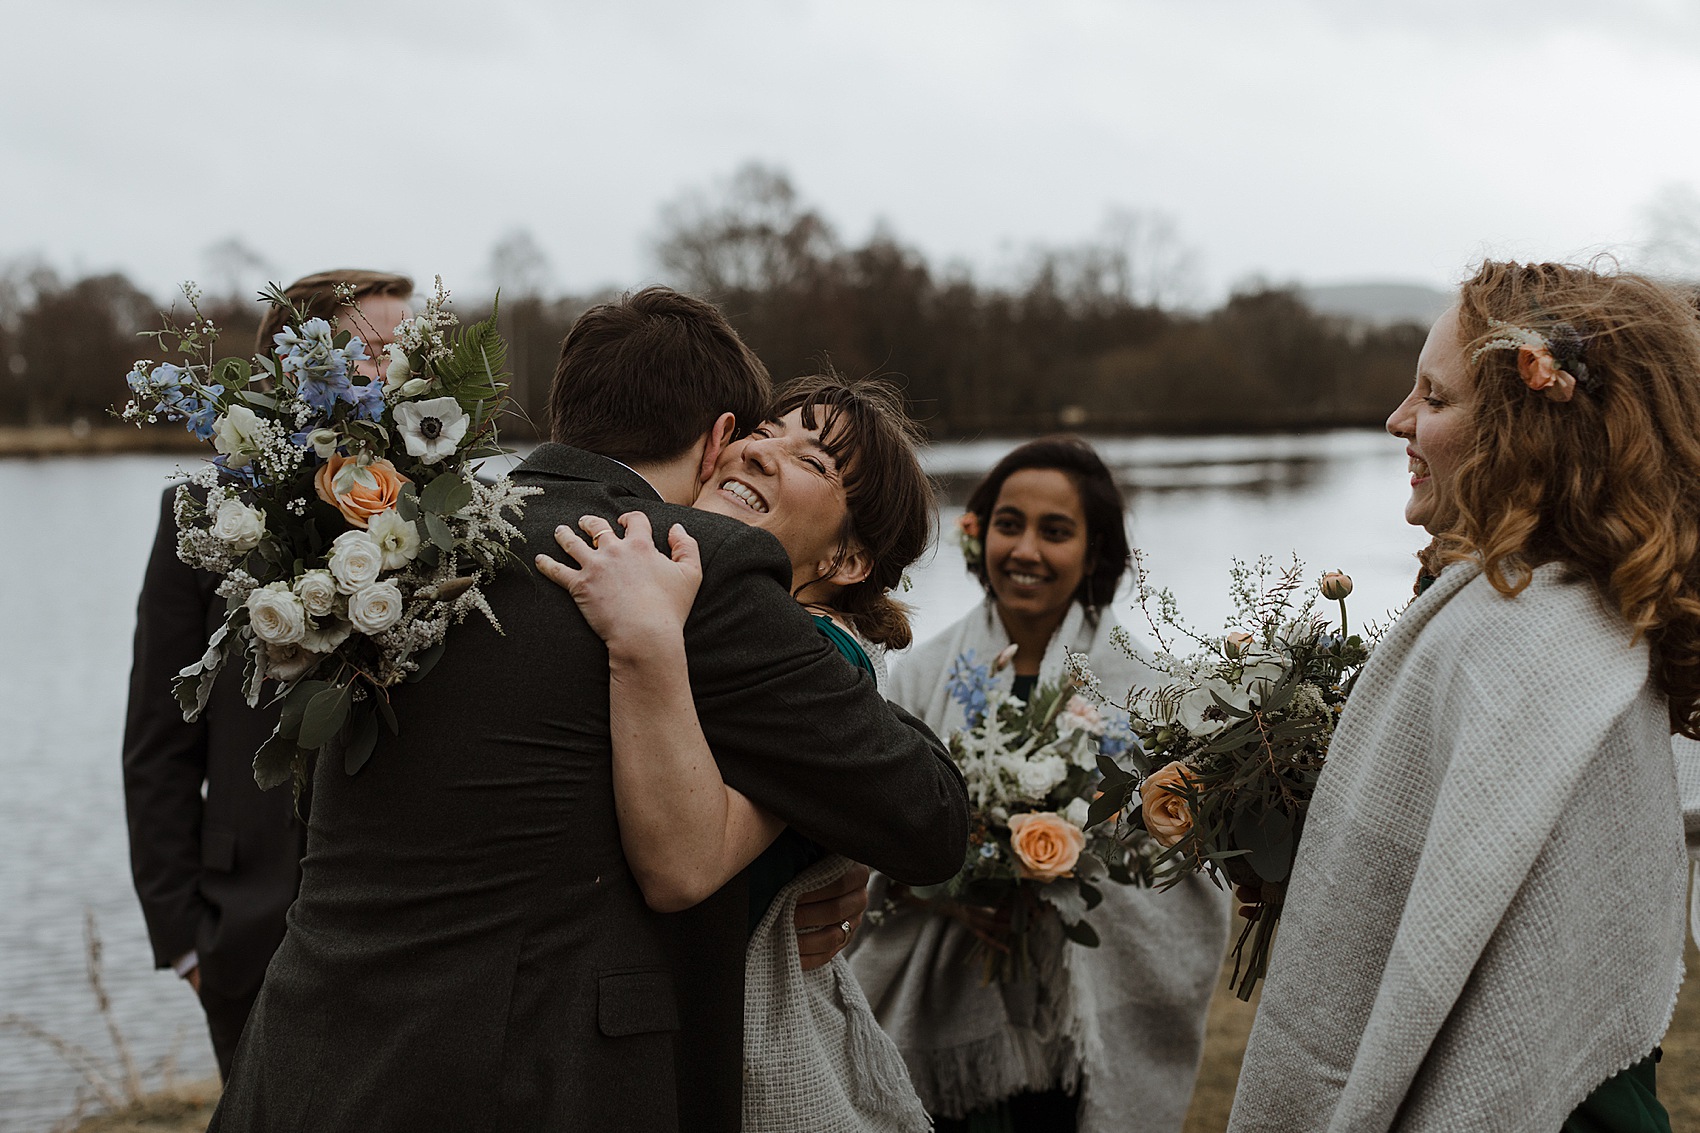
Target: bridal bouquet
{"type": "Point", "coordinates": [340, 511]}
{"type": "Point", "coordinates": [1233, 743]}
{"type": "Point", "coordinates": [1031, 768]}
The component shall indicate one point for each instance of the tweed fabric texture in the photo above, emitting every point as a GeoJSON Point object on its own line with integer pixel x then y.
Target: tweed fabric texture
{"type": "Point", "coordinates": [1123, 1023]}
{"type": "Point", "coordinates": [1485, 918]}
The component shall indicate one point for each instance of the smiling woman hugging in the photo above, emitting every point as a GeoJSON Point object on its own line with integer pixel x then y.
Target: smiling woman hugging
{"type": "Point", "coordinates": [1101, 1032]}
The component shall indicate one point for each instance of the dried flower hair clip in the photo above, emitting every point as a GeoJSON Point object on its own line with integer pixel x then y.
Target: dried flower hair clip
{"type": "Point", "coordinates": [1550, 363]}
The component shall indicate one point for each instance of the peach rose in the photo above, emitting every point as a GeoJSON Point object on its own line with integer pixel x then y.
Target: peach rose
{"type": "Point", "coordinates": [359, 491]}
{"type": "Point", "coordinates": [969, 524]}
{"type": "Point", "coordinates": [1167, 817]}
{"type": "Point", "coordinates": [1541, 373]}
{"type": "Point", "coordinates": [1046, 844]}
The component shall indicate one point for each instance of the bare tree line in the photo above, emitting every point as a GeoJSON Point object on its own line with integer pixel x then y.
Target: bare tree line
{"type": "Point", "coordinates": [1090, 336]}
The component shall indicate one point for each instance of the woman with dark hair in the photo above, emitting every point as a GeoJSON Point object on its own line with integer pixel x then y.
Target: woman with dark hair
{"type": "Point", "coordinates": [832, 474]}
{"type": "Point", "coordinates": [1100, 1033]}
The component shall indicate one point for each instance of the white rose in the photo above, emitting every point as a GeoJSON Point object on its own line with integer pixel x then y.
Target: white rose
{"type": "Point", "coordinates": [398, 371]}
{"type": "Point", "coordinates": [1077, 812]}
{"type": "Point", "coordinates": [317, 591]}
{"type": "Point", "coordinates": [355, 561]}
{"type": "Point", "coordinates": [375, 608]}
{"type": "Point", "coordinates": [239, 525]}
{"type": "Point", "coordinates": [1037, 776]}
{"type": "Point", "coordinates": [396, 537]}
{"type": "Point", "coordinates": [236, 435]}
{"type": "Point", "coordinates": [289, 663]}
{"type": "Point", "coordinates": [327, 635]}
{"type": "Point", "coordinates": [276, 615]}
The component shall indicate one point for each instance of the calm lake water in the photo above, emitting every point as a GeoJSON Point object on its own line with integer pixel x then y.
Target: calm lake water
{"type": "Point", "coordinates": [78, 533]}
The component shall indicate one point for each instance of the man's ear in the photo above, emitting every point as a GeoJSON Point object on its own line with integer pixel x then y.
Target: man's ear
{"type": "Point", "coordinates": [719, 436]}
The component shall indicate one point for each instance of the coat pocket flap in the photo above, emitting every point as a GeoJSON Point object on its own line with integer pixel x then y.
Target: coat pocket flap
{"type": "Point", "coordinates": [218, 850]}
{"type": "Point", "coordinates": [635, 1003]}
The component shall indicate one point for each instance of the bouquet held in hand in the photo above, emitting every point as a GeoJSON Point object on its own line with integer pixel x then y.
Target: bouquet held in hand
{"type": "Point", "coordinates": [341, 512]}
{"type": "Point", "coordinates": [1032, 768]}
{"type": "Point", "coordinates": [1233, 744]}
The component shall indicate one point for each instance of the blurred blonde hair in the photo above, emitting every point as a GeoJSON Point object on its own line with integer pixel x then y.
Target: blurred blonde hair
{"type": "Point", "coordinates": [1608, 482]}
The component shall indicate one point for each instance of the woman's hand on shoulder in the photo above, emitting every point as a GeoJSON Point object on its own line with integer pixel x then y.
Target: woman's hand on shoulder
{"type": "Point", "coordinates": [633, 596]}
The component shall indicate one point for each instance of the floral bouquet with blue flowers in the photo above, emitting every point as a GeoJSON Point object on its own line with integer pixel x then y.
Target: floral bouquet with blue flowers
{"type": "Point", "coordinates": [340, 512]}
{"type": "Point", "coordinates": [1233, 743]}
{"type": "Point", "coordinates": [1032, 768]}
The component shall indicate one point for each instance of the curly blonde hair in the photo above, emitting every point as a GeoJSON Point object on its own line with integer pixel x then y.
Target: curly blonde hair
{"type": "Point", "coordinates": [1608, 482]}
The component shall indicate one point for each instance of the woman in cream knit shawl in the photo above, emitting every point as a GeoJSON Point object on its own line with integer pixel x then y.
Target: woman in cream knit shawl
{"type": "Point", "coordinates": [1484, 927]}
{"type": "Point", "coordinates": [1123, 1023]}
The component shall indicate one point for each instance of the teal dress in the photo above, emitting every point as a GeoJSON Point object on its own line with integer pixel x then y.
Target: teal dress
{"type": "Point", "coordinates": [1626, 1102]}
{"type": "Point", "coordinates": [791, 853]}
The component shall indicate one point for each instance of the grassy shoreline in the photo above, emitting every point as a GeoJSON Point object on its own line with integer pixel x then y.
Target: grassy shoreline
{"type": "Point", "coordinates": [187, 1109]}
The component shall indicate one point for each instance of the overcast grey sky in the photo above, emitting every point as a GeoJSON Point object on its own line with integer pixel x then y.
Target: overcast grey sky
{"type": "Point", "coordinates": [1322, 140]}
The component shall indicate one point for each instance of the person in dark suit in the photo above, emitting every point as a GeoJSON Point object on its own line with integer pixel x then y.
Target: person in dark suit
{"type": "Point", "coordinates": [469, 950]}
{"type": "Point", "coordinates": [215, 860]}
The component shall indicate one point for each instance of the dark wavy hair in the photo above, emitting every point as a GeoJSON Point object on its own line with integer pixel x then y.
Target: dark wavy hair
{"type": "Point", "coordinates": [1607, 482]}
{"type": "Point", "coordinates": [1107, 552]}
{"type": "Point", "coordinates": [888, 499]}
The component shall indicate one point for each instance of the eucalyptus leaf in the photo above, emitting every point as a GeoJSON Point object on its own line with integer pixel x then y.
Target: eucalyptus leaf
{"type": "Point", "coordinates": [381, 698]}
{"type": "Point", "coordinates": [441, 494]}
{"type": "Point", "coordinates": [438, 532]}
{"type": "Point", "coordinates": [274, 763]}
{"type": "Point", "coordinates": [1267, 838]}
{"type": "Point", "coordinates": [1105, 807]}
{"type": "Point", "coordinates": [360, 747]}
{"type": "Point", "coordinates": [1081, 933]}
{"type": "Point", "coordinates": [295, 705]}
{"type": "Point", "coordinates": [407, 506]}
{"type": "Point", "coordinates": [325, 715]}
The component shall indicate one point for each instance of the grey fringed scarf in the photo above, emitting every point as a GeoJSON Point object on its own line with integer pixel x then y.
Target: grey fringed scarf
{"type": "Point", "coordinates": [1123, 1022]}
{"type": "Point", "coordinates": [1486, 915]}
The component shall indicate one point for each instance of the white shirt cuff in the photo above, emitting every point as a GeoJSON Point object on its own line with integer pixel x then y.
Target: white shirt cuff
{"type": "Point", "coordinates": [186, 963]}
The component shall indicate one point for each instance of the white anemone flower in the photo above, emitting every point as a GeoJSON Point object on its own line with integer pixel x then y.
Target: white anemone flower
{"type": "Point", "coordinates": [432, 429]}
{"type": "Point", "coordinates": [1199, 713]}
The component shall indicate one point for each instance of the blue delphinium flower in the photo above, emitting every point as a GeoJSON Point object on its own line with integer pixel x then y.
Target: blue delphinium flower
{"type": "Point", "coordinates": [368, 400]}
{"type": "Point", "coordinates": [968, 685]}
{"type": "Point", "coordinates": [201, 411]}
{"type": "Point", "coordinates": [320, 368]}
{"type": "Point", "coordinates": [1118, 738]}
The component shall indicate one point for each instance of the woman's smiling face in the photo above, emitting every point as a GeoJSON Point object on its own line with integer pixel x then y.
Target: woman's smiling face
{"type": "Point", "coordinates": [1435, 420]}
{"type": "Point", "coordinates": [782, 478]}
{"type": "Point", "coordinates": [1036, 543]}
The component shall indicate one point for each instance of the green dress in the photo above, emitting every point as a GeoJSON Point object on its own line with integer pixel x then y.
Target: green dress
{"type": "Point", "coordinates": [791, 853]}
{"type": "Point", "coordinates": [1624, 1103]}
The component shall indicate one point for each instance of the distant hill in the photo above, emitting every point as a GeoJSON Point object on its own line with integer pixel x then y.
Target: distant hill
{"type": "Point", "coordinates": [1378, 303]}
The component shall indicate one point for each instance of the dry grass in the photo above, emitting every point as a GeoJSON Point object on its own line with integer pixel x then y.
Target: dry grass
{"type": "Point", "coordinates": [185, 1109]}
{"type": "Point", "coordinates": [1230, 1023]}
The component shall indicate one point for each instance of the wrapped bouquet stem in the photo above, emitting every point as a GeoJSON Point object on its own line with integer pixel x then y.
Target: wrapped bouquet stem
{"type": "Point", "coordinates": [1231, 746]}
{"type": "Point", "coordinates": [1032, 767]}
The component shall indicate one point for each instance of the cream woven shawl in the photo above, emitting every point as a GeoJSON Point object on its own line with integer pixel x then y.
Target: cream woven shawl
{"type": "Point", "coordinates": [1486, 916]}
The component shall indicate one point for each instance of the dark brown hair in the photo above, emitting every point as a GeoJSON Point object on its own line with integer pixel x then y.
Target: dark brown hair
{"type": "Point", "coordinates": [888, 499]}
{"type": "Point", "coordinates": [642, 378]}
{"type": "Point", "coordinates": [1608, 482]}
{"type": "Point", "coordinates": [316, 295]}
{"type": "Point", "coordinates": [1107, 550]}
